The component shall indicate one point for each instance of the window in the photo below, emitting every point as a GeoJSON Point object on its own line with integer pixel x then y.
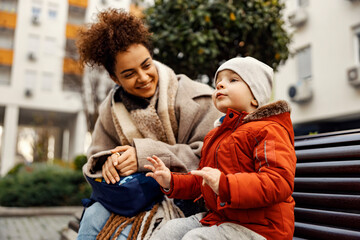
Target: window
{"type": "Point", "coordinates": [50, 46]}
{"type": "Point", "coordinates": [52, 14]}
{"type": "Point", "coordinates": [5, 75]}
{"type": "Point", "coordinates": [52, 11]}
{"type": "Point", "coordinates": [33, 47]}
{"type": "Point", "coordinates": [47, 81]}
{"type": "Point", "coordinates": [30, 80]}
{"type": "Point", "coordinates": [303, 58]}
{"type": "Point", "coordinates": [36, 11]}
{"type": "Point", "coordinates": [357, 44]}
{"type": "Point", "coordinates": [303, 3]}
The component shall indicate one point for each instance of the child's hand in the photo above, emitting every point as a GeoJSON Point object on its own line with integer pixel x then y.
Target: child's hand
{"type": "Point", "coordinates": [211, 176]}
{"type": "Point", "coordinates": [159, 171]}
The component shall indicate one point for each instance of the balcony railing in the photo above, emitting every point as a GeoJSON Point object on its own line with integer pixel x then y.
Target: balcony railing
{"type": "Point", "coordinates": [7, 19]}
{"type": "Point", "coordinates": [79, 3]}
{"type": "Point", "coordinates": [72, 67]}
{"type": "Point", "coordinates": [6, 57]}
{"type": "Point", "coordinates": [71, 31]}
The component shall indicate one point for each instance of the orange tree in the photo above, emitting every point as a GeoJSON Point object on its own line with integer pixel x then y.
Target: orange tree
{"type": "Point", "coordinates": [194, 36]}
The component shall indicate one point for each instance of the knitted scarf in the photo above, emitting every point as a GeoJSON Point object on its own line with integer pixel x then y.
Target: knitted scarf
{"type": "Point", "coordinates": [152, 118]}
{"type": "Point", "coordinates": [144, 225]}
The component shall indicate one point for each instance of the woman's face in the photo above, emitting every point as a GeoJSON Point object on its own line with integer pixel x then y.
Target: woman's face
{"type": "Point", "coordinates": [135, 71]}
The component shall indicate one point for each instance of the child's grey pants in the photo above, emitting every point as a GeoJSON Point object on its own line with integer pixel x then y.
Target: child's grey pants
{"type": "Point", "coordinates": [191, 229]}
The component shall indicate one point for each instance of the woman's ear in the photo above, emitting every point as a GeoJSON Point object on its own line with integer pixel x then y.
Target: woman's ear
{"type": "Point", "coordinates": [254, 103]}
{"type": "Point", "coordinates": [115, 80]}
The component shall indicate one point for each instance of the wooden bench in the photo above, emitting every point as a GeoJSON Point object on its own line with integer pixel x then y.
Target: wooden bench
{"type": "Point", "coordinates": [327, 186]}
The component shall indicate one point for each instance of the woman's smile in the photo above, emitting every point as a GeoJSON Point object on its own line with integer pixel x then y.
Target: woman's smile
{"type": "Point", "coordinates": [147, 85]}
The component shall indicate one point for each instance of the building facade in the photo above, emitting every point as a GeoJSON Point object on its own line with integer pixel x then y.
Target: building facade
{"type": "Point", "coordinates": [322, 78]}
{"type": "Point", "coordinates": [38, 69]}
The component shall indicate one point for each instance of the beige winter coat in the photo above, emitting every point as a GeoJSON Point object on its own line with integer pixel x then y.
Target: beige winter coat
{"type": "Point", "coordinates": [195, 115]}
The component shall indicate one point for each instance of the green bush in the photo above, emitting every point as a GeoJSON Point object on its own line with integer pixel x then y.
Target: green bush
{"type": "Point", "coordinates": [43, 185]}
{"type": "Point", "coordinates": [79, 161]}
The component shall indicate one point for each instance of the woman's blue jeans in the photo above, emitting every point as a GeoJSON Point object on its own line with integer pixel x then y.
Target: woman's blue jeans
{"type": "Point", "coordinates": [94, 220]}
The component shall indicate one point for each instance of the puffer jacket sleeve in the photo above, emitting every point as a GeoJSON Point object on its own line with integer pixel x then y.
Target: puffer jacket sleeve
{"type": "Point", "coordinates": [273, 179]}
{"type": "Point", "coordinates": [185, 186]}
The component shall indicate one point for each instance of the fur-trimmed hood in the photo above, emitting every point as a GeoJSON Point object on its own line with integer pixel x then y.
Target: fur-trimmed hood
{"type": "Point", "coordinates": [268, 110]}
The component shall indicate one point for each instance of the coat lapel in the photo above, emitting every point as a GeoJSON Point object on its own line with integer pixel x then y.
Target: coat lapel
{"type": "Point", "coordinates": [185, 97]}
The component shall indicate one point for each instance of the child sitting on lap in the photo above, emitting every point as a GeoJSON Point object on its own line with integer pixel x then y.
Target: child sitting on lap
{"type": "Point", "coordinates": [247, 168]}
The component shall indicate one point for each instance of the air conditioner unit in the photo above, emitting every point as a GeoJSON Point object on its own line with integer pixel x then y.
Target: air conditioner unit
{"type": "Point", "coordinates": [298, 17]}
{"type": "Point", "coordinates": [353, 76]}
{"type": "Point", "coordinates": [301, 92]}
{"type": "Point", "coordinates": [28, 93]}
{"type": "Point", "coordinates": [31, 56]}
{"type": "Point", "coordinates": [35, 20]}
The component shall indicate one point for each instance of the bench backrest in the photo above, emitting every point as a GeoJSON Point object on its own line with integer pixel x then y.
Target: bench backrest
{"type": "Point", "coordinates": [327, 186]}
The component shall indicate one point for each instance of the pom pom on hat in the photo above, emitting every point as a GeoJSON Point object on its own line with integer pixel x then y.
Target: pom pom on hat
{"type": "Point", "coordinates": [257, 75]}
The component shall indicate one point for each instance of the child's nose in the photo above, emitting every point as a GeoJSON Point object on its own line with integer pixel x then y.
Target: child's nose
{"type": "Point", "coordinates": [220, 85]}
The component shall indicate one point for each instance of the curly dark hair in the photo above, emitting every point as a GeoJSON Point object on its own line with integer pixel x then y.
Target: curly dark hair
{"type": "Point", "coordinates": [114, 32]}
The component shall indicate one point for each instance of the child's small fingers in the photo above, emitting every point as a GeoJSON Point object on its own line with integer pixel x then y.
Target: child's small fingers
{"type": "Point", "coordinates": [160, 173]}
{"type": "Point", "coordinates": [197, 173]}
{"type": "Point", "coordinates": [150, 167]}
{"type": "Point", "coordinates": [157, 160]}
{"type": "Point", "coordinates": [149, 174]}
{"type": "Point", "coordinates": [150, 159]}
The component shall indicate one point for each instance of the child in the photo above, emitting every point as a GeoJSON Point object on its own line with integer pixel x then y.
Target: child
{"type": "Point", "coordinates": [247, 168]}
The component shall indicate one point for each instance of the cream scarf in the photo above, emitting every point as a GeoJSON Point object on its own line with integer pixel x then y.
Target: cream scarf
{"type": "Point", "coordinates": [158, 124]}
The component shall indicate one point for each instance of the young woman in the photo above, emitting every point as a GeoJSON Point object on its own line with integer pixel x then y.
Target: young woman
{"type": "Point", "coordinates": [150, 111]}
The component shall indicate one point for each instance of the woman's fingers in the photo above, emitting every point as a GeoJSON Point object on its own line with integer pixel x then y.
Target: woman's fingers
{"type": "Point", "coordinates": [120, 149]}
{"type": "Point", "coordinates": [109, 172]}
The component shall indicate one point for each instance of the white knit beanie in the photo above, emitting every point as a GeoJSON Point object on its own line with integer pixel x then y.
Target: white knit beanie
{"type": "Point", "coordinates": [257, 75]}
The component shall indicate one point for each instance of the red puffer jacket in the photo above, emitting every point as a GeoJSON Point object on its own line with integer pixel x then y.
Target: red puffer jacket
{"type": "Point", "coordinates": [255, 153]}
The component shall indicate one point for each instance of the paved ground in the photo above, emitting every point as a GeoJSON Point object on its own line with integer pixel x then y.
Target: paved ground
{"type": "Point", "coordinates": [33, 227]}
{"type": "Point", "coordinates": [36, 223]}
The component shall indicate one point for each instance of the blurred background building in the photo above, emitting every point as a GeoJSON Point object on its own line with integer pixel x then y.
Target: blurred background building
{"type": "Point", "coordinates": [41, 112]}
{"type": "Point", "coordinates": [322, 79]}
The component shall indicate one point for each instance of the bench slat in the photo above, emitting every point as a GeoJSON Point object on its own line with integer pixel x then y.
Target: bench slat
{"type": "Point", "coordinates": [343, 140]}
{"type": "Point", "coordinates": [345, 152]}
{"type": "Point", "coordinates": [322, 232]}
{"type": "Point", "coordinates": [327, 184]}
{"type": "Point", "coordinates": [323, 217]}
{"type": "Point", "coordinates": [336, 167]}
{"type": "Point", "coordinates": [328, 134]}
{"type": "Point", "coordinates": [350, 203]}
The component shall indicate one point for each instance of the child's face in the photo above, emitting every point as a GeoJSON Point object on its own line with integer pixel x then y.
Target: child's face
{"type": "Point", "coordinates": [232, 92]}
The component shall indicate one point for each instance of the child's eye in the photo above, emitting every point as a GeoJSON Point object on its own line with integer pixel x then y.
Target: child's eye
{"type": "Point", "coordinates": [233, 80]}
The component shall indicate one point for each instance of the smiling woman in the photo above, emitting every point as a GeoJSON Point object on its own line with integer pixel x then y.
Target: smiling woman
{"type": "Point", "coordinates": [135, 71]}
{"type": "Point", "coordinates": [150, 111]}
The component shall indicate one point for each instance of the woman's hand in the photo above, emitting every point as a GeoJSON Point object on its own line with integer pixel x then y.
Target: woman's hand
{"type": "Point", "coordinates": [211, 177]}
{"type": "Point", "coordinates": [159, 171]}
{"type": "Point", "coordinates": [122, 162]}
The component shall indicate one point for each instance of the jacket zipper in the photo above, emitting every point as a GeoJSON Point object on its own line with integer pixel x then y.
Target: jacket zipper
{"type": "Point", "coordinates": [218, 146]}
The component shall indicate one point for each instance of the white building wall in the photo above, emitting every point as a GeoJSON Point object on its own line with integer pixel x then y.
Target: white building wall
{"type": "Point", "coordinates": [329, 31]}
{"type": "Point", "coordinates": [44, 75]}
